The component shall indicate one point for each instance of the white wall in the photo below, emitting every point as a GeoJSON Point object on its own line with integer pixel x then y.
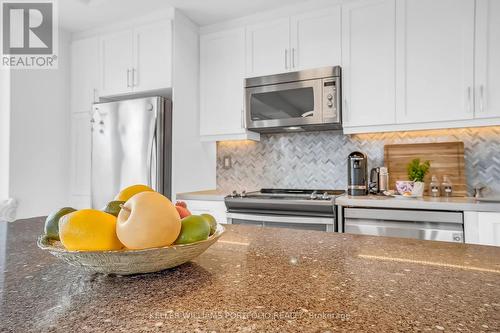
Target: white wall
{"type": "Point", "coordinates": [4, 132]}
{"type": "Point", "coordinates": [39, 148]}
{"type": "Point", "coordinates": [193, 162]}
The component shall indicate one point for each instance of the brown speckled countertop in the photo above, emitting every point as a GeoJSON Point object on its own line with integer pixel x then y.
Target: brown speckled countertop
{"type": "Point", "coordinates": [257, 279]}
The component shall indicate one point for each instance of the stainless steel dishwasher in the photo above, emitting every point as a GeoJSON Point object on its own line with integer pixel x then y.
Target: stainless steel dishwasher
{"type": "Point", "coordinates": [418, 224]}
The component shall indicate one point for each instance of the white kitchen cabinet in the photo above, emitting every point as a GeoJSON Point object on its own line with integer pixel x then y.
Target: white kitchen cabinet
{"type": "Point", "coordinates": [80, 159]}
{"type": "Point", "coordinates": [368, 62]}
{"type": "Point", "coordinates": [84, 74]}
{"type": "Point", "coordinates": [316, 39]}
{"type": "Point", "coordinates": [308, 40]}
{"type": "Point", "coordinates": [222, 71]}
{"type": "Point", "coordinates": [435, 60]}
{"type": "Point", "coordinates": [489, 228]}
{"type": "Point", "coordinates": [268, 47]}
{"type": "Point", "coordinates": [487, 71]}
{"type": "Point", "coordinates": [153, 56]}
{"type": "Point", "coordinates": [117, 56]}
{"type": "Point", "coordinates": [215, 208]}
{"type": "Point", "coordinates": [482, 228]}
{"type": "Point", "coordinates": [137, 60]}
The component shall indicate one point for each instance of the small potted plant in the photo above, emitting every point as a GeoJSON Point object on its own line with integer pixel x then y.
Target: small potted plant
{"type": "Point", "coordinates": [416, 173]}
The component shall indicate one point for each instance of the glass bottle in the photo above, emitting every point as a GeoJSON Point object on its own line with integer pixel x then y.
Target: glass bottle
{"type": "Point", "coordinates": [447, 187]}
{"type": "Point", "coordinates": [434, 188]}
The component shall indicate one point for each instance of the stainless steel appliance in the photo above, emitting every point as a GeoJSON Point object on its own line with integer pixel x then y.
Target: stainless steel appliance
{"type": "Point", "coordinates": [379, 180]}
{"type": "Point", "coordinates": [357, 168]}
{"type": "Point", "coordinates": [374, 180]}
{"type": "Point", "coordinates": [417, 224]}
{"type": "Point", "coordinates": [131, 144]}
{"type": "Point", "coordinates": [298, 209]}
{"type": "Point", "coordinates": [304, 100]}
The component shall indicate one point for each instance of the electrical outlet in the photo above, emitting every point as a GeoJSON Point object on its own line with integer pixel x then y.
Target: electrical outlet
{"type": "Point", "coordinates": [227, 163]}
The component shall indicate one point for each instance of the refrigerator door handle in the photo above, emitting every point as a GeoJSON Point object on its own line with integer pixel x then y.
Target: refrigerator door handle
{"type": "Point", "coordinates": [152, 149]}
{"type": "Point", "coordinates": [152, 177]}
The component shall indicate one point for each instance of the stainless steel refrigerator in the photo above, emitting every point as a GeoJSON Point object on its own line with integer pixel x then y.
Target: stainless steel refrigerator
{"type": "Point", "coordinates": [131, 144]}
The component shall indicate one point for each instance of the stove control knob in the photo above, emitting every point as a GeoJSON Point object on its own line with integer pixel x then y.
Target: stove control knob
{"type": "Point", "coordinates": [314, 195]}
{"type": "Point", "coordinates": [234, 194]}
{"type": "Point", "coordinates": [325, 196]}
{"type": "Point", "coordinates": [244, 194]}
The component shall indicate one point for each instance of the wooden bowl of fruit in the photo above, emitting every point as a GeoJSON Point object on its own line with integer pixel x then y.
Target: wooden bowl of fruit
{"type": "Point", "coordinates": [141, 231]}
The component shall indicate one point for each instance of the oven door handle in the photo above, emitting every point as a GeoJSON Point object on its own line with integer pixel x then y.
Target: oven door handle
{"type": "Point", "coordinates": [282, 218]}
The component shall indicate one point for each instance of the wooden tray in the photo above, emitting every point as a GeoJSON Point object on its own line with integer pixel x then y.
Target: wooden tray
{"type": "Point", "coordinates": [447, 159]}
{"type": "Point", "coordinates": [127, 262]}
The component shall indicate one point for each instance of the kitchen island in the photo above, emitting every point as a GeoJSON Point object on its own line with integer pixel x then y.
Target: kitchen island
{"type": "Point", "coordinates": [259, 279]}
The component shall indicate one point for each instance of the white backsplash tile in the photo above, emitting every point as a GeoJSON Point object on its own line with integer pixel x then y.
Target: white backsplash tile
{"type": "Point", "coordinates": [319, 159]}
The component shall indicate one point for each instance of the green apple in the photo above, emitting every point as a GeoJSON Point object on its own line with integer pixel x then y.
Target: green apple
{"type": "Point", "coordinates": [52, 222]}
{"type": "Point", "coordinates": [113, 207]}
{"type": "Point", "coordinates": [211, 221]}
{"type": "Point", "coordinates": [194, 228]}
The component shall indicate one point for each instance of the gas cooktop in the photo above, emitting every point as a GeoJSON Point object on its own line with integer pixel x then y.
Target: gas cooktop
{"type": "Point", "coordinates": [269, 200]}
{"type": "Point", "coordinates": [288, 194]}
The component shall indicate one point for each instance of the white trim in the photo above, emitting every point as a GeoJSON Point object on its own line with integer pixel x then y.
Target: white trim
{"type": "Point", "coordinates": [167, 14]}
{"type": "Point", "coordinates": [282, 12]}
{"type": "Point", "coordinates": [231, 137]}
{"type": "Point", "coordinates": [422, 126]}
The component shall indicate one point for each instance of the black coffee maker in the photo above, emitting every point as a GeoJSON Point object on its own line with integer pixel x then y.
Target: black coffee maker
{"type": "Point", "coordinates": [357, 171]}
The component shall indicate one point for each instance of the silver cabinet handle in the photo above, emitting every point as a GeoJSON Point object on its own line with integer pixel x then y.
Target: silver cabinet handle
{"type": "Point", "coordinates": [345, 113]}
{"type": "Point", "coordinates": [293, 57]}
{"type": "Point", "coordinates": [128, 78]}
{"type": "Point", "coordinates": [286, 58]}
{"type": "Point", "coordinates": [481, 98]}
{"type": "Point", "coordinates": [134, 78]}
{"type": "Point", "coordinates": [469, 99]}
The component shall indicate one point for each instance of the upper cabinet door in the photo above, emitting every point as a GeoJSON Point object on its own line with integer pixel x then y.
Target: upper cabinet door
{"type": "Point", "coordinates": [117, 63]}
{"type": "Point", "coordinates": [84, 74]}
{"type": "Point", "coordinates": [368, 56]}
{"type": "Point", "coordinates": [268, 48]}
{"type": "Point", "coordinates": [487, 59]}
{"type": "Point", "coordinates": [222, 65]}
{"type": "Point", "coordinates": [153, 56]}
{"type": "Point", "coordinates": [435, 62]}
{"type": "Point", "coordinates": [316, 39]}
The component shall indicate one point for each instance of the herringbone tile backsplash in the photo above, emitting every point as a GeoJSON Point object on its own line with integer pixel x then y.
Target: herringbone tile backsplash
{"type": "Point", "coordinates": [319, 159]}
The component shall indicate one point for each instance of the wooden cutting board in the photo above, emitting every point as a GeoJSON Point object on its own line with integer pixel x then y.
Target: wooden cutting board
{"type": "Point", "coordinates": [447, 159]}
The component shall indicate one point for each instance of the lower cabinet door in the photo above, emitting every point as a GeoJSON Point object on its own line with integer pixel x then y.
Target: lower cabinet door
{"type": "Point", "coordinates": [80, 160]}
{"type": "Point", "coordinates": [489, 228]}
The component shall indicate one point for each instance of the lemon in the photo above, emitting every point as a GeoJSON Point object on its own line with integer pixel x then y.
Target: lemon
{"type": "Point", "coordinates": [130, 191]}
{"type": "Point", "coordinates": [89, 230]}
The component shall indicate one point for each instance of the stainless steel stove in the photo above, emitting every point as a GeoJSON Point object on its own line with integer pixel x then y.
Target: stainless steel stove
{"type": "Point", "coordinates": [286, 208]}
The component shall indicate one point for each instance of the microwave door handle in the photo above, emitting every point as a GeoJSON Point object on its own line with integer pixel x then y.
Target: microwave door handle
{"type": "Point", "coordinates": [308, 114]}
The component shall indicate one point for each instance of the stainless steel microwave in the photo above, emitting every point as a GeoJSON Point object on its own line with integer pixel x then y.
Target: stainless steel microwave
{"type": "Point", "coordinates": [296, 101]}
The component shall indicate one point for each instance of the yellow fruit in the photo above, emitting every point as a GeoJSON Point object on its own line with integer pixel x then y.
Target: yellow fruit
{"type": "Point", "coordinates": [89, 230]}
{"type": "Point", "coordinates": [130, 191]}
{"type": "Point", "coordinates": [148, 220]}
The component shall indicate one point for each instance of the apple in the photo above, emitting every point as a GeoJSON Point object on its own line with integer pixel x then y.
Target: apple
{"type": "Point", "coordinates": [181, 204]}
{"type": "Point", "coordinates": [183, 212]}
{"type": "Point", "coordinates": [148, 220]}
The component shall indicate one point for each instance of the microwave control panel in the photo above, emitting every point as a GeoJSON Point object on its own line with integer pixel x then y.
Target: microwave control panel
{"type": "Point", "coordinates": [330, 99]}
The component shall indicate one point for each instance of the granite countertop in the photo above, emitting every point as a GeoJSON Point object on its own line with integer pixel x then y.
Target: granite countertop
{"type": "Point", "coordinates": [208, 195]}
{"type": "Point", "coordinates": [429, 203]}
{"type": "Point", "coordinates": [258, 279]}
